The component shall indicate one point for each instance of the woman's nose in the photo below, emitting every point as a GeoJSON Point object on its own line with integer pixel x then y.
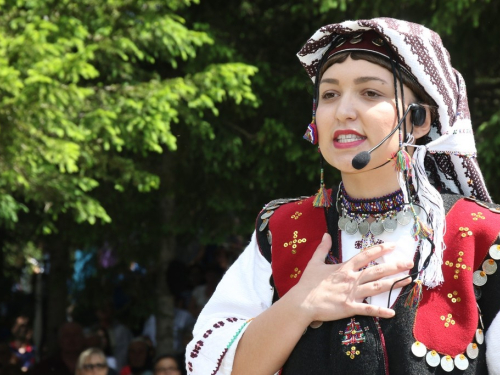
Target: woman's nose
{"type": "Point", "coordinates": [346, 110]}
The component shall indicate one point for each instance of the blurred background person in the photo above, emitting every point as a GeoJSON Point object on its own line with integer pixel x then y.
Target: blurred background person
{"type": "Point", "coordinates": [99, 338]}
{"type": "Point", "coordinates": [8, 362]}
{"type": "Point", "coordinates": [202, 293]}
{"type": "Point", "coordinates": [71, 342]}
{"type": "Point", "coordinates": [21, 344]}
{"type": "Point", "coordinates": [139, 358]}
{"type": "Point", "coordinates": [167, 365]}
{"type": "Point", "coordinates": [119, 336]}
{"type": "Point", "coordinates": [93, 361]}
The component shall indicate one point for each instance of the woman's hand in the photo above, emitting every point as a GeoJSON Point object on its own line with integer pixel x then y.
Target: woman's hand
{"type": "Point", "coordinates": [328, 292]}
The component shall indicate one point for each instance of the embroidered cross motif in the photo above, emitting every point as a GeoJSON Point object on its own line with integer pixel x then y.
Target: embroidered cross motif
{"type": "Point", "coordinates": [353, 352]}
{"type": "Point", "coordinates": [459, 266]}
{"type": "Point", "coordinates": [477, 216]}
{"type": "Point", "coordinates": [453, 297]}
{"type": "Point", "coordinates": [297, 272]}
{"type": "Point", "coordinates": [293, 243]}
{"type": "Point", "coordinates": [448, 320]}
{"type": "Point", "coordinates": [296, 215]}
{"type": "Point", "coordinates": [465, 231]}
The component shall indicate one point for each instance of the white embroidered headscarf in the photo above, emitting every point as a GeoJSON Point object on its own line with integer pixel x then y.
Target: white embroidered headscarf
{"type": "Point", "coordinates": [448, 159]}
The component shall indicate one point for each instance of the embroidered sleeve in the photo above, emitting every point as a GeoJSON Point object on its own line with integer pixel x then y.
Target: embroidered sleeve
{"type": "Point", "coordinates": [243, 293]}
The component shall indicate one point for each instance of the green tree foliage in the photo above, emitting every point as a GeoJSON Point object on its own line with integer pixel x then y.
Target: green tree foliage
{"type": "Point", "coordinates": [87, 85]}
{"type": "Point", "coordinates": [89, 91]}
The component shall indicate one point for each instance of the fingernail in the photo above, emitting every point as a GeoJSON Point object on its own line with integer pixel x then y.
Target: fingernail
{"type": "Point", "coordinates": [325, 235]}
{"type": "Point", "coordinates": [409, 264]}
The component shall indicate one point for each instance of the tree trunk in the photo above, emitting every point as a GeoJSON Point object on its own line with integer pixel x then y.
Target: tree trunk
{"type": "Point", "coordinates": [57, 300]}
{"type": "Point", "coordinates": [165, 316]}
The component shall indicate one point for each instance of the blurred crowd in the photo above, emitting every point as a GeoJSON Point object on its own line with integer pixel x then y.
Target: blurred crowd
{"type": "Point", "coordinates": [109, 347]}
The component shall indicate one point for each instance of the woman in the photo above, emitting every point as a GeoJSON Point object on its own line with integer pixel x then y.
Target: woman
{"type": "Point", "coordinates": [406, 281]}
{"type": "Point", "coordinates": [92, 361]}
{"type": "Point", "coordinates": [167, 365]}
{"type": "Point", "coordinates": [139, 357]}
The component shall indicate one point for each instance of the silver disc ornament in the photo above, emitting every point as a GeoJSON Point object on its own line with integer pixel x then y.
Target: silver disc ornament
{"type": "Point", "coordinates": [363, 227]}
{"type": "Point", "coordinates": [432, 358]}
{"type": "Point", "coordinates": [390, 224]}
{"type": "Point", "coordinates": [447, 363]}
{"type": "Point", "coordinates": [472, 350]}
{"type": "Point", "coordinates": [495, 252]}
{"type": "Point", "coordinates": [342, 222]}
{"type": "Point", "coordinates": [418, 349]}
{"type": "Point", "coordinates": [479, 278]}
{"type": "Point", "coordinates": [267, 215]}
{"type": "Point", "coordinates": [351, 227]}
{"type": "Point", "coordinates": [377, 228]}
{"type": "Point", "coordinates": [263, 225]}
{"type": "Point", "coordinates": [404, 217]}
{"type": "Point", "coordinates": [479, 336]}
{"type": "Point", "coordinates": [490, 266]}
{"type": "Point", "coordinates": [461, 362]}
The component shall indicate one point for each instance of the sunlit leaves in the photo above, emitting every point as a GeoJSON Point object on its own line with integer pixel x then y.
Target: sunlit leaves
{"type": "Point", "coordinates": [80, 96]}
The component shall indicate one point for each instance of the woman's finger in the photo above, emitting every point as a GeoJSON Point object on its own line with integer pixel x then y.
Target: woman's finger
{"type": "Point", "coordinates": [379, 271]}
{"type": "Point", "coordinates": [322, 249]}
{"type": "Point", "coordinates": [371, 254]}
{"type": "Point", "coordinates": [373, 310]}
{"type": "Point", "coordinates": [380, 286]}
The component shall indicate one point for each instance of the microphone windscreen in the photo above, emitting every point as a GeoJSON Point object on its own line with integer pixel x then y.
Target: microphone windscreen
{"type": "Point", "coordinates": [361, 160]}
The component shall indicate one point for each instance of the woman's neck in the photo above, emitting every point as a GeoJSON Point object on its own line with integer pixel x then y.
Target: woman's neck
{"type": "Point", "coordinates": [370, 184]}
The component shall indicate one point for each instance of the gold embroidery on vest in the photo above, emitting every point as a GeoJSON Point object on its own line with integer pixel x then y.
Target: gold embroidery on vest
{"type": "Point", "coordinates": [448, 320]}
{"type": "Point", "coordinates": [294, 243]}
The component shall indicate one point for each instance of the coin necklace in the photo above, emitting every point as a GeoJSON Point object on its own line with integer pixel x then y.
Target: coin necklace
{"type": "Point", "coordinates": [388, 211]}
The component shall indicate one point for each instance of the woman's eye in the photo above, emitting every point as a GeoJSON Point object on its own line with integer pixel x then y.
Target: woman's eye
{"type": "Point", "coordinates": [372, 94]}
{"type": "Point", "coordinates": [329, 95]}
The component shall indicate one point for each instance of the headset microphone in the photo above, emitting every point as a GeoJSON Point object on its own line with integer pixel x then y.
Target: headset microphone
{"type": "Point", "coordinates": [362, 159]}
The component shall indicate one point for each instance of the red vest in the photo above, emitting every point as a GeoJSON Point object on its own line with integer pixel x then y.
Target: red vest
{"type": "Point", "coordinates": [447, 316]}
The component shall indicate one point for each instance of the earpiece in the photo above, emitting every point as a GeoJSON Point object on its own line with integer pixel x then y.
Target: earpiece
{"type": "Point", "coordinates": [417, 115]}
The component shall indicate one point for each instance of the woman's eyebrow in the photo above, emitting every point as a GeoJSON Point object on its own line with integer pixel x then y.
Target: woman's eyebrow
{"type": "Point", "coordinates": [360, 80]}
{"type": "Point", "coordinates": [333, 81]}
{"type": "Point", "coordinates": [357, 81]}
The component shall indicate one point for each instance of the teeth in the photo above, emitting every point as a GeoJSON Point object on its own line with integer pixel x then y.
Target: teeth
{"type": "Point", "coordinates": [345, 138]}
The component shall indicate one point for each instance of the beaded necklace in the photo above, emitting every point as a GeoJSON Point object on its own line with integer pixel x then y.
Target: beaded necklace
{"type": "Point", "coordinates": [388, 211]}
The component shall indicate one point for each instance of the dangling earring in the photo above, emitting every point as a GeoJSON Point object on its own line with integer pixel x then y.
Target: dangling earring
{"type": "Point", "coordinates": [311, 134]}
{"type": "Point", "coordinates": [322, 198]}
{"type": "Point", "coordinates": [402, 159]}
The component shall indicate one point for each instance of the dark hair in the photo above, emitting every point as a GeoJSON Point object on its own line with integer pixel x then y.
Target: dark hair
{"type": "Point", "coordinates": [166, 356]}
{"type": "Point", "coordinates": [421, 96]}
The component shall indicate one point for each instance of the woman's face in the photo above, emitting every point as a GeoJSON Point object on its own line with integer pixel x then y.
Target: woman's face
{"type": "Point", "coordinates": [356, 110]}
{"type": "Point", "coordinates": [167, 366]}
{"type": "Point", "coordinates": [95, 365]}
